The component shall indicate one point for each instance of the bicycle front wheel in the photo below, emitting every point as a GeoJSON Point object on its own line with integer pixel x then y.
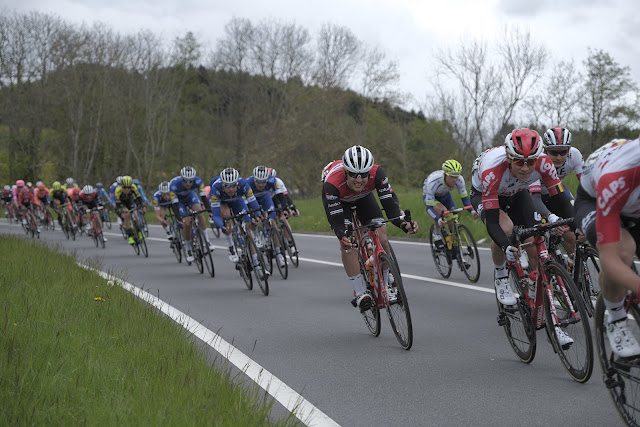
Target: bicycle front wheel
{"type": "Point", "coordinates": [440, 258]}
{"type": "Point", "coordinates": [398, 307]}
{"type": "Point", "coordinates": [517, 321]}
{"type": "Point", "coordinates": [372, 316]}
{"type": "Point", "coordinates": [292, 249]}
{"type": "Point", "coordinates": [207, 260]}
{"type": "Point", "coordinates": [243, 264]}
{"type": "Point", "coordinates": [468, 256]}
{"type": "Point", "coordinates": [588, 281]}
{"type": "Point", "coordinates": [577, 355]}
{"type": "Point", "coordinates": [260, 268]}
{"type": "Point", "coordinates": [276, 236]}
{"type": "Point", "coordinates": [106, 219]}
{"type": "Point", "coordinates": [621, 376]}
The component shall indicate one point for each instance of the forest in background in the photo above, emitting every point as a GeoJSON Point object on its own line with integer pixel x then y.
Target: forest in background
{"type": "Point", "coordinates": [87, 102]}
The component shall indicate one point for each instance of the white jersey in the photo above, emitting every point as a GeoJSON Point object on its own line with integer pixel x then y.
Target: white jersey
{"type": "Point", "coordinates": [280, 188]}
{"type": "Point", "coordinates": [573, 162]}
{"type": "Point", "coordinates": [435, 186]}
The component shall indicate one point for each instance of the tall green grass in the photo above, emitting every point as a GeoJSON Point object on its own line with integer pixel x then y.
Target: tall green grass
{"type": "Point", "coordinates": [74, 350]}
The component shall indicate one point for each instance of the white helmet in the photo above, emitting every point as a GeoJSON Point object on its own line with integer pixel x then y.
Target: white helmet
{"type": "Point", "coordinates": [229, 176]}
{"type": "Point", "coordinates": [164, 187]}
{"type": "Point", "coordinates": [357, 159]}
{"type": "Point", "coordinates": [119, 180]}
{"type": "Point", "coordinates": [70, 181]}
{"type": "Point", "coordinates": [523, 144]}
{"type": "Point", "coordinates": [260, 173]}
{"type": "Point", "coordinates": [188, 173]}
{"type": "Point", "coordinates": [38, 183]}
{"type": "Point", "coordinates": [7, 187]}
{"type": "Point", "coordinates": [557, 136]}
{"type": "Point", "coordinates": [87, 189]}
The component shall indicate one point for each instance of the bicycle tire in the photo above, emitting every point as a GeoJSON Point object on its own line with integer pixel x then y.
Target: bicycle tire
{"type": "Point", "coordinates": [65, 227]}
{"type": "Point", "coordinates": [468, 253]}
{"type": "Point", "coordinates": [393, 256]}
{"type": "Point", "coordinates": [517, 321]}
{"type": "Point", "coordinates": [106, 219]}
{"type": "Point", "coordinates": [440, 258]}
{"type": "Point", "coordinates": [243, 263]}
{"type": "Point", "coordinates": [621, 376]}
{"type": "Point", "coordinates": [284, 270]}
{"type": "Point", "coordinates": [588, 278]}
{"type": "Point", "coordinates": [268, 246]}
{"type": "Point", "coordinates": [207, 260]}
{"type": "Point", "coordinates": [577, 358]}
{"type": "Point", "coordinates": [292, 249]}
{"type": "Point", "coordinates": [371, 317]}
{"type": "Point", "coordinates": [143, 223]}
{"type": "Point", "coordinates": [176, 244]}
{"type": "Point", "coordinates": [197, 249]}
{"type": "Point", "coordinates": [398, 311]}
{"type": "Point", "coordinates": [261, 277]}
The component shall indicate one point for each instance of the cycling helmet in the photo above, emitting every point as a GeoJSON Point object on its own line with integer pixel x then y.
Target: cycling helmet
{"type": "Point", "coordinates": [87, 189]}
{"type": "Point", "coordinates": [229, 176]}
{"type": "Point", "coordinates": [452, 167]}
{"type": "Point", "coordinates": [99, 185]}
{"type": "Point", "coordinates": [188, 173]}
{"type": "Point", "coordinates": [7, 188]}
{"type": "Point", "coordinates": [76, 190]}
{"type": "Point", "coordinates": [30, 184]}
{"type": "Point", "coordinates": [163, 187]}
{"type": "Point", "coordinates": [56, 186]}
{"type": "Point", "coordinates": [119, 179]}
{"type": "Point", "coordinates": [38, 184]}
{"type": "Point", "coordinates": [273, 172]}
{"type": "Point", "coordinates": [557, 136]}
{"type": "Point", "coordinates": [19, 183]}
{"type": "Point", "coordinates": [70, 181]}
{"type": "Point", "coordinates": [523, 143]}
{"type": "Point", "coordinates": [127, 181]}
{"type": "Point", "coordinates": [260, 173]}
{"type": "Point", "coordinates": [42, 187]}
{"type": "Point", "coordinates": [135, 181]}
{"type": "Point", "coordinates": [357, 159]}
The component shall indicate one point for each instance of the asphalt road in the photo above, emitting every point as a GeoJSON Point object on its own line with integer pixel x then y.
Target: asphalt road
{"type": "Point", "coordinates": [460, 371]}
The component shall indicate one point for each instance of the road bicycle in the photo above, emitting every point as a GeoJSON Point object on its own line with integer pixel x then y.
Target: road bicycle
{"type": "Point", "coordinates": [458, 244]}
{"type": "Point", "coordinates": [583, 265]}
{"type": "Point", "coordinates": [96, 227]}
{"type": "Point", "coordinates": [554, 297]}
{"type": "Point", "coordinates": [620, 375]}
{"type": "Point", "coordinates": [143, 221]}
{"type": "Point", "coordinates": [67, 224]}
{"type": "Point", "coordinates": [46, 219]}
{"type": "Point", "coordinates": [105, 216]}
{"type": "Point", "coordinates": [175, 229]}
{"type": "Point", "coordinates": [382, 278]}
{"type": "Point", "coordinates": [9, 212]}
{"type": "Point", "coordinates": [288, 242]}
{"type": "Point", "coordinates": [139, 240]}
{"type": "Point", "coordinates": [31, 226]}
{"type": "Point", "coordinates": [245, 247]}
{"type": "Point", "coordinates": [270, 237]}
{"type": "Point", "coordinates": [200, 248]}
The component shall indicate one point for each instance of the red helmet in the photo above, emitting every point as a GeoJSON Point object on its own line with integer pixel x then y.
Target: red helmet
{"type": "Point", "coordinates": [523, 143]}
{"type": "Point", "coordinates": [76, 190]}
{"type": "Point", "coordinates": [41, 187]}
{"type": "Point", "coordinates": [557, 136]}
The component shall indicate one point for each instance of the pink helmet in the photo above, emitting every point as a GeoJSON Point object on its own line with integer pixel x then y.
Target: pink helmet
{"type": "Point", "coordinates": [19, 183]}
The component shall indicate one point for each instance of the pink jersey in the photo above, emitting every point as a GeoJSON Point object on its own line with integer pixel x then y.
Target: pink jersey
{"type": "Point", "coordinates": [612, 177]}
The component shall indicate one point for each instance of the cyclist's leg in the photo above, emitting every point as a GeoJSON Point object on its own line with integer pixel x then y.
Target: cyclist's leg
{"type": "Point", "coordinates": [522, 211]}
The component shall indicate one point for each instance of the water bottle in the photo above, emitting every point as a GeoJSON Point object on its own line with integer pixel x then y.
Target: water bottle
{"type": "Point", "coordinates": [447, 237]}
{"type": "Point", "coordinates": [524, 260]}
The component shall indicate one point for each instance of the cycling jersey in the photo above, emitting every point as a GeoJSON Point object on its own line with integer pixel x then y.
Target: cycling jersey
{"type": "Point", "coordinates": [159, 202]}
{"type": "Point", "coordinates": [125, 199]}
{"type": "Point", "coordinates": [336, 193]}
{"type": "Point", "coordinates": [41, 196]}
{"type": "Point", "coordinates": [611, 177]}
{"type": "Point", "coordinates": [60, 195]}
{"type": "Point", "coordinates": [112, 192]}
{"type": "Point", "coordinates": [236, 201]}
{"type": "Point", "coordinates": [187, 197]}
{"type": "Point", "coordinates": [25, 197]}
{"type": "Point", "coordinates": [89, 200]}
{"type": "Point", "coordinates": [264, 196]}
{"type": "Point", "coordinates": [435, 189]}
{"type": "Point", "coordinates": [141, 191]}
{"type": "Point", "coordinates": [7, 196]}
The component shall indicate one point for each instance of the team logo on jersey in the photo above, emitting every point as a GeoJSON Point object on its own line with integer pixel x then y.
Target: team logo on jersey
{"type": "Point", "coordinates": [214, 199]}
{"type": "Point", "coordinates": [547, 166]}
{"type": "Point", "coordinates": [330, 197]}
{"type": "Point", "coordinates": [608, 193]}
{"type": "Point", "coordinates": [155, 203]}
{"type": "Point", "coordinates": [486, 181]}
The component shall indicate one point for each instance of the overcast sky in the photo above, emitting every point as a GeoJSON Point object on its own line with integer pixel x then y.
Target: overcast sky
{"type": "Point", "coordinates": [409, 31]}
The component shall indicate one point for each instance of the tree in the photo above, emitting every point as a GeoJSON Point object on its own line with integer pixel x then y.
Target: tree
{"type": "Point", "coordinates": [338, 53]}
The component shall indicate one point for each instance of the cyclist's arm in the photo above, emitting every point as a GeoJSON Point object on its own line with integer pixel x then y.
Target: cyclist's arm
{"type": "Point", "coordinates": [333, 209]}
{"type": "Point", "coordinates": [494, 230]}
{"type": "Point", "coordinates": [388, 198]}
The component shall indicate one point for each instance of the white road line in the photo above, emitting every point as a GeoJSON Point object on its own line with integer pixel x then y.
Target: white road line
{"type": "Point", "coordinates": [289, 398]}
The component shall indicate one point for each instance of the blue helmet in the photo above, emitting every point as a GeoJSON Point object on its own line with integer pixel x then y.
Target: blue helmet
{"type": "Point", "coordinates": [99, 185]}
{"type": "Point", "coordinates": [135, 181]}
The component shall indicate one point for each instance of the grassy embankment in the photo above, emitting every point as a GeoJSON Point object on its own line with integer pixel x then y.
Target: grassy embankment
{"type": "Point", "coordinates": [74, 350]}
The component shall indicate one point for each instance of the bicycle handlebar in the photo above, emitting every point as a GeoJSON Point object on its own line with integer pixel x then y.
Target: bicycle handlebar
{"type": "Point", "coordinates": [520, 233]}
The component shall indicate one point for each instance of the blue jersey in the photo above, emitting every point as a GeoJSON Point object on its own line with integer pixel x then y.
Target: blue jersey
{"type": "Point", "coordinates": [264, 196]}
{"type": "Point", "coordinates": [112, 192]}
{"type": "Point", "coordinates": [101, 193]}
{"type": "Point", "coordinates": [236, 201]}
{"type": "Point", "coordinates": [180, 192]}
{"type": "Point", "coordinates": [159, 201]}
{"type": "Point", "coordinates": [141, 191]}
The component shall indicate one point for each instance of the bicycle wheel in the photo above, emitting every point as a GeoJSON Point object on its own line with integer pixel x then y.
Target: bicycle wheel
{"type": "Point", "coordinates": [621, 376]}
{"type": "Point", "coordinates": [372, 316]}
{"type": "Point", "coordinates": [244, 263]}
{"type": "Point", "coordinates": [176, 245]}
{"type": "Point", "coordinates": [259, 268]}
{"type": "Point", "coordinates": [143, 247]}
{"type": "Point", "coordinates": [65, 226]}
{"type": "Point", "coordinates": [398, 310]}
{"type": "Point", "coordinates": [143, 223]}
{"type": "Point", "coordinates": [468, 257]}
{"type": "Point", "coordinates": [292, 249]}
{"type": "Point", "coordinates": [393, 256]}
{"type": "Point", "coordinates": [106, 219]}
{"type": "Point", "coordinates": [277, 236]}
{"type": "Point", "coordinates": [517, 321]}
{"type": "Point", "coordinates": [440, 258]}
{"type": "Point", "coordinates": [577, 357]}
{"type": "Point", "coordinates": [207, 260]}
{"type": "Point", "coordinates": [197, 251]}
{"type": "Point", "coordinates": [588, 280]}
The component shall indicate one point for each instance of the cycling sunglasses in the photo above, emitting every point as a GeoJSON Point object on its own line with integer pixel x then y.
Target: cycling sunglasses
{"type": "Point", "coordinates": [260, 181]}
{"type": "Point", "coordinates": [230, 185]}
{"type": "Point", "coordinates": [354, 175]}
{"type": "Point", "coordinates": [187, 181]}
{"type": "Point", "coordinates": [560, 152]}
{"type": "Point", "coordinates": [521, 162]}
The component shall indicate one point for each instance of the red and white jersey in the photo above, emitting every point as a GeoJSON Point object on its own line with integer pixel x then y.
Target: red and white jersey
{"type": "Point", "coordinates": [492, 176]}
{"type": "Point", "coordinates": [574, 162]}
{"type": "Point", "coordinates": [88, 197]}
{"type": "Point", "coordinates": [612, 177]}
{"type": "Point", "coordinates": [337, 179]}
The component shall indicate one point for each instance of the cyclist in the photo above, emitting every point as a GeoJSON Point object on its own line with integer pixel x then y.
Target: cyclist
{"type": "Point", "coordinates": [351, 182]}
{"type": "Point", "coordinates": [162, 200]}
{"type": "Point", "coordinates": [69, 183]}
{"type": "Point", "coordinates": [112, 196]}
{"type": "Point", "coordinates": [59, 197]}
{"type": "Point", "coordinates": [183, 193]}
{"type": "Point", "coordinates": [101, 194]}
{"type": "Point", "coordinates": [262, 183]}
{"type": "Point", "coordinates": [228, 193]}
{"type": "Point", "coordinates": [500, 178]}
{"type": "Point", "coordinates": [74, 198]}
{"type": "Point", "coordinates": [608, 213]}
{"type": "Point", "coordinates": [17, 187]}
{"type": "Point", "coordinates": [7, 200]}
{"type": "Point", "coordinates": [126, 197]}
{"type": "Point", "coordinates": [87, 200]}
{"type": "Point", "coordinates": [41, 199]}
{"type": "Point", "coordinates": [136, 182]}
{"type": "Point", "coordinates": [25, 201]}
{"type": "Point", "coordinates": [436, 195]}
{"type": "Point", "coordinates": [281, 198]}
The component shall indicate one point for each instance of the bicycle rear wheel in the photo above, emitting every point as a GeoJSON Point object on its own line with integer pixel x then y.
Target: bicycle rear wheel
{"type": "Point", "coordinates": [276, 235]}
{"type": "Point", "coordinates": [143, 223]}
{"type": "Point", "coordinates": [621, 376]}
{"type": "Point", "coordinates": [468, 256]}
{"type": "Point", "coordinates": [577, 357]}
{"type": "Point", "coordinates": [517, 321]}
{"type": "Point", "coordinates": [398, 310]}
{"type": "Point", "coordinates": [588, 281]}
{"type": "Point", "coordinates": [440, 258]}
{"type": "Point", "coordinates": [207, 260]}
{"type": "Point", "coordinates": [243, 264]}
{"type": "Point", "coordinates": [260, 273]}
{"type": "Point", "coordinates": [197, 252]}
{"type": "Point", "coordinates": [292, 249]}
